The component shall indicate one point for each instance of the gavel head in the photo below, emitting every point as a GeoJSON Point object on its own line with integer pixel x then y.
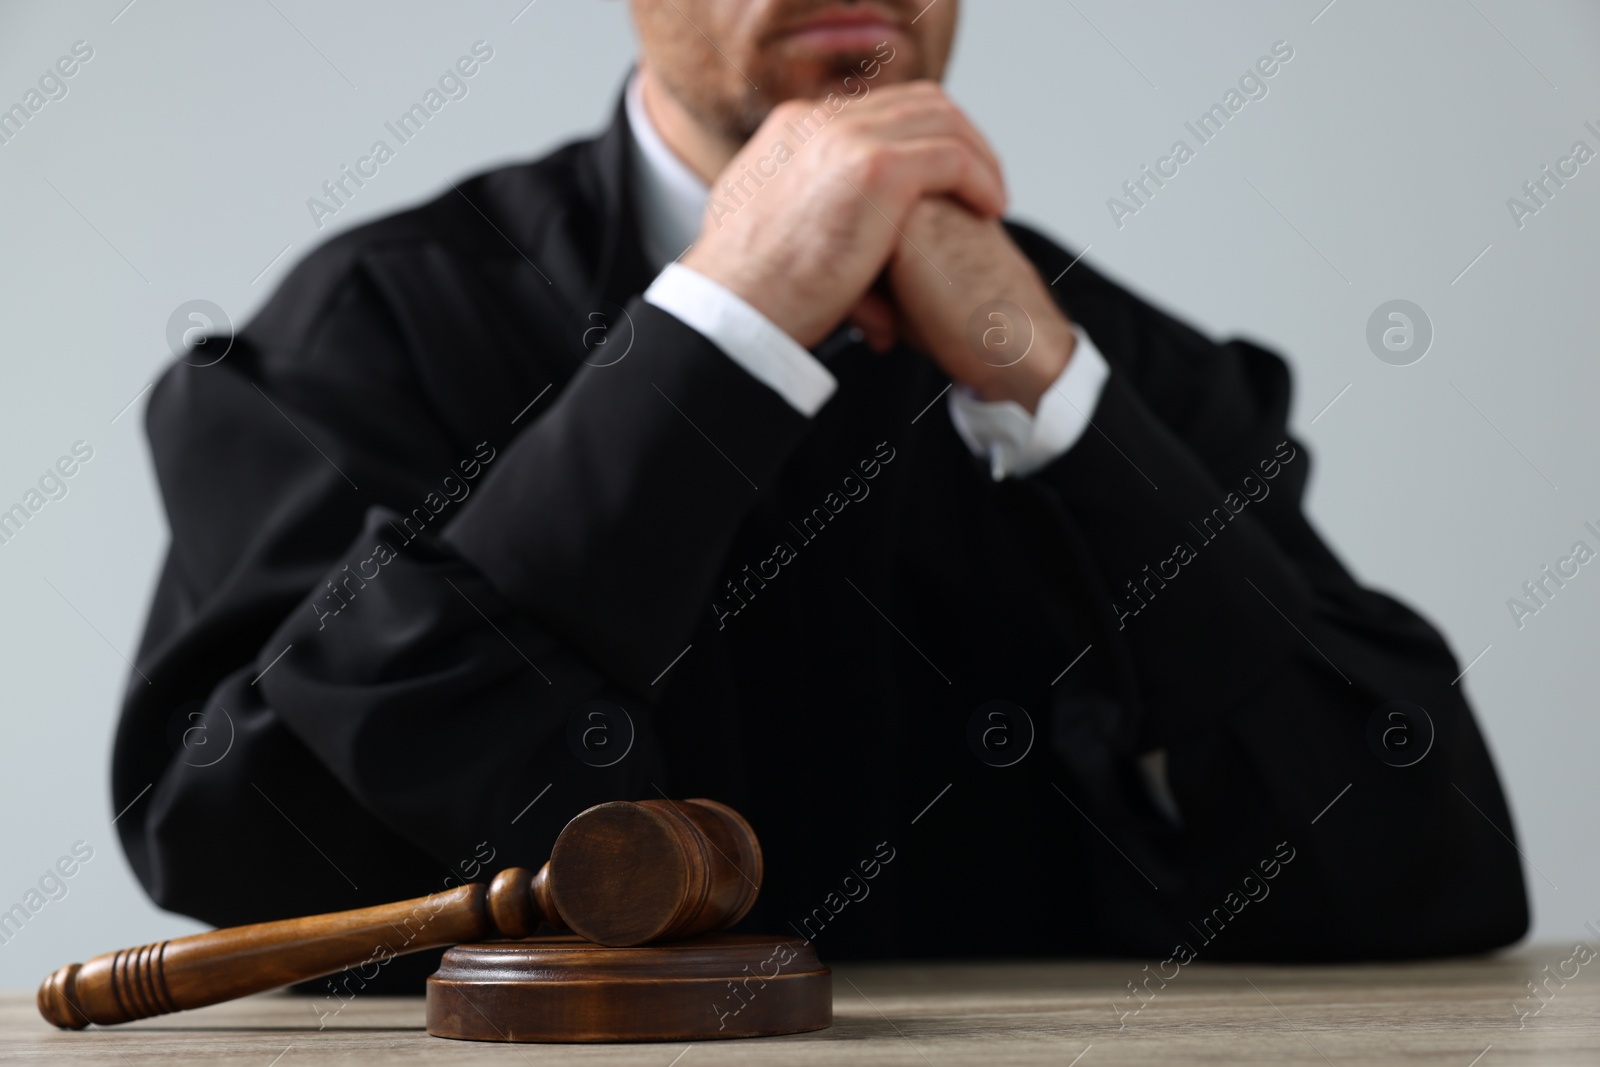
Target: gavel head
{"type": "Point", "coordinates": [626, 873]}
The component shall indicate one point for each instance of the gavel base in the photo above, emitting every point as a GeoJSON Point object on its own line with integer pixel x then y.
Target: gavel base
{"type": "Point", "coordinates": [565, 989]}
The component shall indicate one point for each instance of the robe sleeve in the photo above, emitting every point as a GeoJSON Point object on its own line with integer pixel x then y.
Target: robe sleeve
{"type": "Point", "coordinates": [1264, 671]}
{"type": "Point", "coordinates": [401, 656]}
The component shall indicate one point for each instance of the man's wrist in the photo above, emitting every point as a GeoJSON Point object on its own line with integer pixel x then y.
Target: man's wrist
{"type": "Point", "coordinates": [1017, 445]}
{"type": "Point", "coordinates": [750, 286]}
{"type": "Point", "coordinates": [744, 334]}
{"type": "Point", "coordinates": [1026, 381]}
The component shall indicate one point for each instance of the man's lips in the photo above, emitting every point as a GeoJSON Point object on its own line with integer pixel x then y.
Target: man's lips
{"type": "Point", "coordinates": [842, 30]}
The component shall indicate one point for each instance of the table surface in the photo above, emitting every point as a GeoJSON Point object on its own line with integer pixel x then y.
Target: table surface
{"type": "Point", "coordinates": [1465, 1013]}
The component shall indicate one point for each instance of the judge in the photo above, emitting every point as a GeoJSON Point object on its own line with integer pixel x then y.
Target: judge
{"type": "Point", "coordinates": [747, 451]}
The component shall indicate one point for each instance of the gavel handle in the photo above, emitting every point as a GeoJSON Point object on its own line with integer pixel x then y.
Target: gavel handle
{"type": "Point", "coordinates": [209, 968]}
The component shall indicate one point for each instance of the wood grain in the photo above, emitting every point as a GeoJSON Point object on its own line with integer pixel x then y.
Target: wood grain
{"type": "Point", "coordinates": [655, 870]}
{"type": "Point", "coordinates": [949, 1015]}
{"type": "Point", "coordinates": [566, 989]}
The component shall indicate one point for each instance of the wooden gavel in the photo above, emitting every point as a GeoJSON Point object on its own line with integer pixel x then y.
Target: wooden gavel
{"type": "Point", "coordinates": [620, 874]}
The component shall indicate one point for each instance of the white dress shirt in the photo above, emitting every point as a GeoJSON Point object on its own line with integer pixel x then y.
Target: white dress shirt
{"type": "Point", "coordinates": [671, 201]}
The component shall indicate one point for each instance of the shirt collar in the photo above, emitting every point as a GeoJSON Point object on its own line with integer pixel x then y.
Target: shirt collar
{"type": "Point", "coordinates": [668, 197]}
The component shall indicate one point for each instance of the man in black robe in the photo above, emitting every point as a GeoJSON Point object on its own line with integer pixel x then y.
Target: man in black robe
{"type": "Point", "coordinates": [979, 585]}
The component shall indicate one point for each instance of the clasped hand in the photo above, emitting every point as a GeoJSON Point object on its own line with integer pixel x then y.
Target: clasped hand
{"type": "Point", "coordinates": [886, 214]}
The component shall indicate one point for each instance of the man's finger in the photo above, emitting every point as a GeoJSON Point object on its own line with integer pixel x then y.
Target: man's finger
{"type": "Point", "coordinates": [929, 118]}
{"type": "Point", "coordinates": [906, 172]}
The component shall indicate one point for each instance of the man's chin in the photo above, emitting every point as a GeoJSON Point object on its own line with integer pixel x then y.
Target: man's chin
{"type": "Point", "coordinates": [812, 75]}
{"type": "Point", "coordinates": [792, 72]}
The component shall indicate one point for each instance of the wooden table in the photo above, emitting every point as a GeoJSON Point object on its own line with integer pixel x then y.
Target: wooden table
{"type": "Point", "coordinates": [1460, 1013]}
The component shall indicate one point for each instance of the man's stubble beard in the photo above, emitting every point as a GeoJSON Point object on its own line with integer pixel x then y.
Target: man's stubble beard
{"type": "Point", "coordinates": [735, 116]}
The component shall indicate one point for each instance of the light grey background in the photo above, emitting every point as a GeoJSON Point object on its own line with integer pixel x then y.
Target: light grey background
{"type": "Point", "coordinates": [1378, 167]}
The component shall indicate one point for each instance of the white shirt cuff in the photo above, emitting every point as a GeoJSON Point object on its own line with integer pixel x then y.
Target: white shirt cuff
{"type": "Point", "coordinates": [1018, 444]}
{"type": "Point", "coordinates": [749, 338]}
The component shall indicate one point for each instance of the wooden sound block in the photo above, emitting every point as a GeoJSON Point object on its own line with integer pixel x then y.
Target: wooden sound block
{"type": "Point", "coordinates": [566, 989]}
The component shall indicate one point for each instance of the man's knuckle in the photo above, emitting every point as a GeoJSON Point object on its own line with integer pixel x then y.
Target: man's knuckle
{"type": "Point", "coordinates": [903, 113]}
{"type": "Point", "coordinates": [871, 164]}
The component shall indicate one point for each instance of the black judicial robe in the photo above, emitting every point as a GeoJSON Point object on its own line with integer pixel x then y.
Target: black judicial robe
{"type": "Point", "coordinates": [424, 528]}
